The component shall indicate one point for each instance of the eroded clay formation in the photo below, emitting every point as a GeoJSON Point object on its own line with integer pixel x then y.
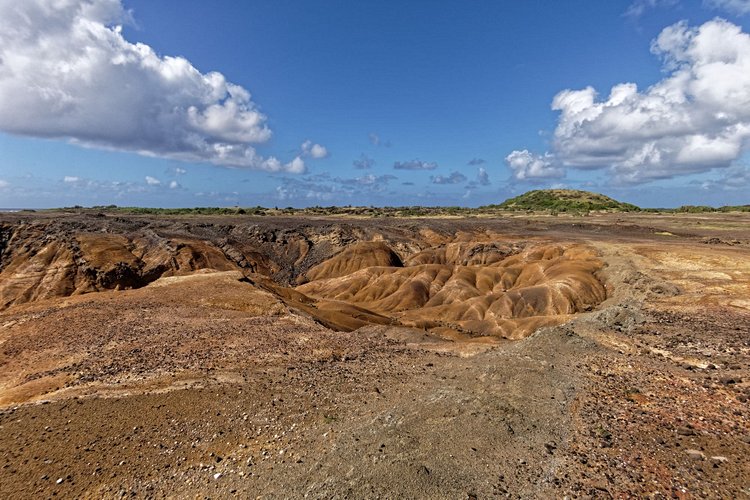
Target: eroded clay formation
{"type": "Point", "coordinates": [451, 284]}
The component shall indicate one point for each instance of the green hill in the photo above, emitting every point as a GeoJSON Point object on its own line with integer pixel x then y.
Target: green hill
{"type": "Point", "coordinates": [564, 200]}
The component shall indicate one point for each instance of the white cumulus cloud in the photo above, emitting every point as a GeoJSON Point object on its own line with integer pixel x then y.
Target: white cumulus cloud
{"type": "Point", "coordinates": [528, 166]}
{"type": "Point", "coordinates": [67, 72]}
{"type": "Point", "coordinates": [152, 181]}
{"type": "Point", "coordinates": [313, 150]}
{"type": "Point", "coordinates": [695, 119]}
{"type": "Point", "coordinates": [71, 179]}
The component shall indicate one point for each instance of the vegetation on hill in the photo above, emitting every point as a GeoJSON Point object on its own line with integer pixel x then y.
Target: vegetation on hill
{"type": "Point", "coordinates": [547, 201]}
{"type": "Point", "coordinates": [564, 200]}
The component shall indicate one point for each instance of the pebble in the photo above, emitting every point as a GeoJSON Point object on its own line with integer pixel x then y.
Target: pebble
{"type": "Point", "coordinates": [217, 475]}
{"type": "Point", "coordinates": [730, 380]}
{"type": "Point", "coordinates": [696, 454]}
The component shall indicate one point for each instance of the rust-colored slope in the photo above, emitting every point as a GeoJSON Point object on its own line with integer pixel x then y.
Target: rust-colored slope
{"type": "Point", "coordinates": [508, 298]}
{"type": "Point", "coordinates": [43, 267]}
{"type": "Point", "coordinates": [464, 253]}
{"type": "Point", "coordinates": [353, 258]}
{"type": "Point", "coordinates": [35, 274]}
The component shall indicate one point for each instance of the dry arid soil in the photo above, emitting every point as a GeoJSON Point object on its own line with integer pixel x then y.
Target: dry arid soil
{"type": "Point", "coordinates": [520, 356]}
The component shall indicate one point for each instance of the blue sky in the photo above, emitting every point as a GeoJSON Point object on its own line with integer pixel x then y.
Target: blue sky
{"type": "Point", "coordinates": [382, 103]}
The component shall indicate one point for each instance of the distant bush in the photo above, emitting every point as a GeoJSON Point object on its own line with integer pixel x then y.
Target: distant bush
{"type": "Point", "coordinates": [699, 209]}
{"type": "Point", "coordinates": [695, 209]}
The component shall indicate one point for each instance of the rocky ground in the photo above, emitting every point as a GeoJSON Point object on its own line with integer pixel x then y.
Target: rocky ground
{"type": "Point", "coordinates": [187, 357]}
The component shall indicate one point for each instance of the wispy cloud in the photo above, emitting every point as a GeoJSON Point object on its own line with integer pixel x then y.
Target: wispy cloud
{"type": "Point", "coordinates": [452, 178]}
{"type": "Point", "coordinates": [324, 187]}
{"type": "Point", "coordinates": [223, 197]}
{"type": "Point", "coordinates": [483, 178]}
{"type": "Point", "coordinates": [368, 180]}
{"type": "Point", "coordinates": [363, 162]}
{"type": "Point", "coordinates": [376, 140]}
{"type": "Point", "coordinates": [736, 7]}
{"type": "Point", "coordinates": [640, 7]}
{"type": "Point", "coordinates": [476, 161]}
{"type": "Point", "coordinates": [113, 189]}
{"type": "Point", "coordinates": [415, 165]}
{"type": "Point", "coordinates": [735, 178]}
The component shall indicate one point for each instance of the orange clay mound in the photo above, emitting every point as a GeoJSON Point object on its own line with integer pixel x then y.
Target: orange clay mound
{"type": "Point", "coordinates": [475, 289]}
{"type": "Point", "coordinates": [354, 258]}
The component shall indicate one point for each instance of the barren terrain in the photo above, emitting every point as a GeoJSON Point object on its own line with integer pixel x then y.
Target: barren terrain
{"type": "Point", "coordinates": [605, 356]}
